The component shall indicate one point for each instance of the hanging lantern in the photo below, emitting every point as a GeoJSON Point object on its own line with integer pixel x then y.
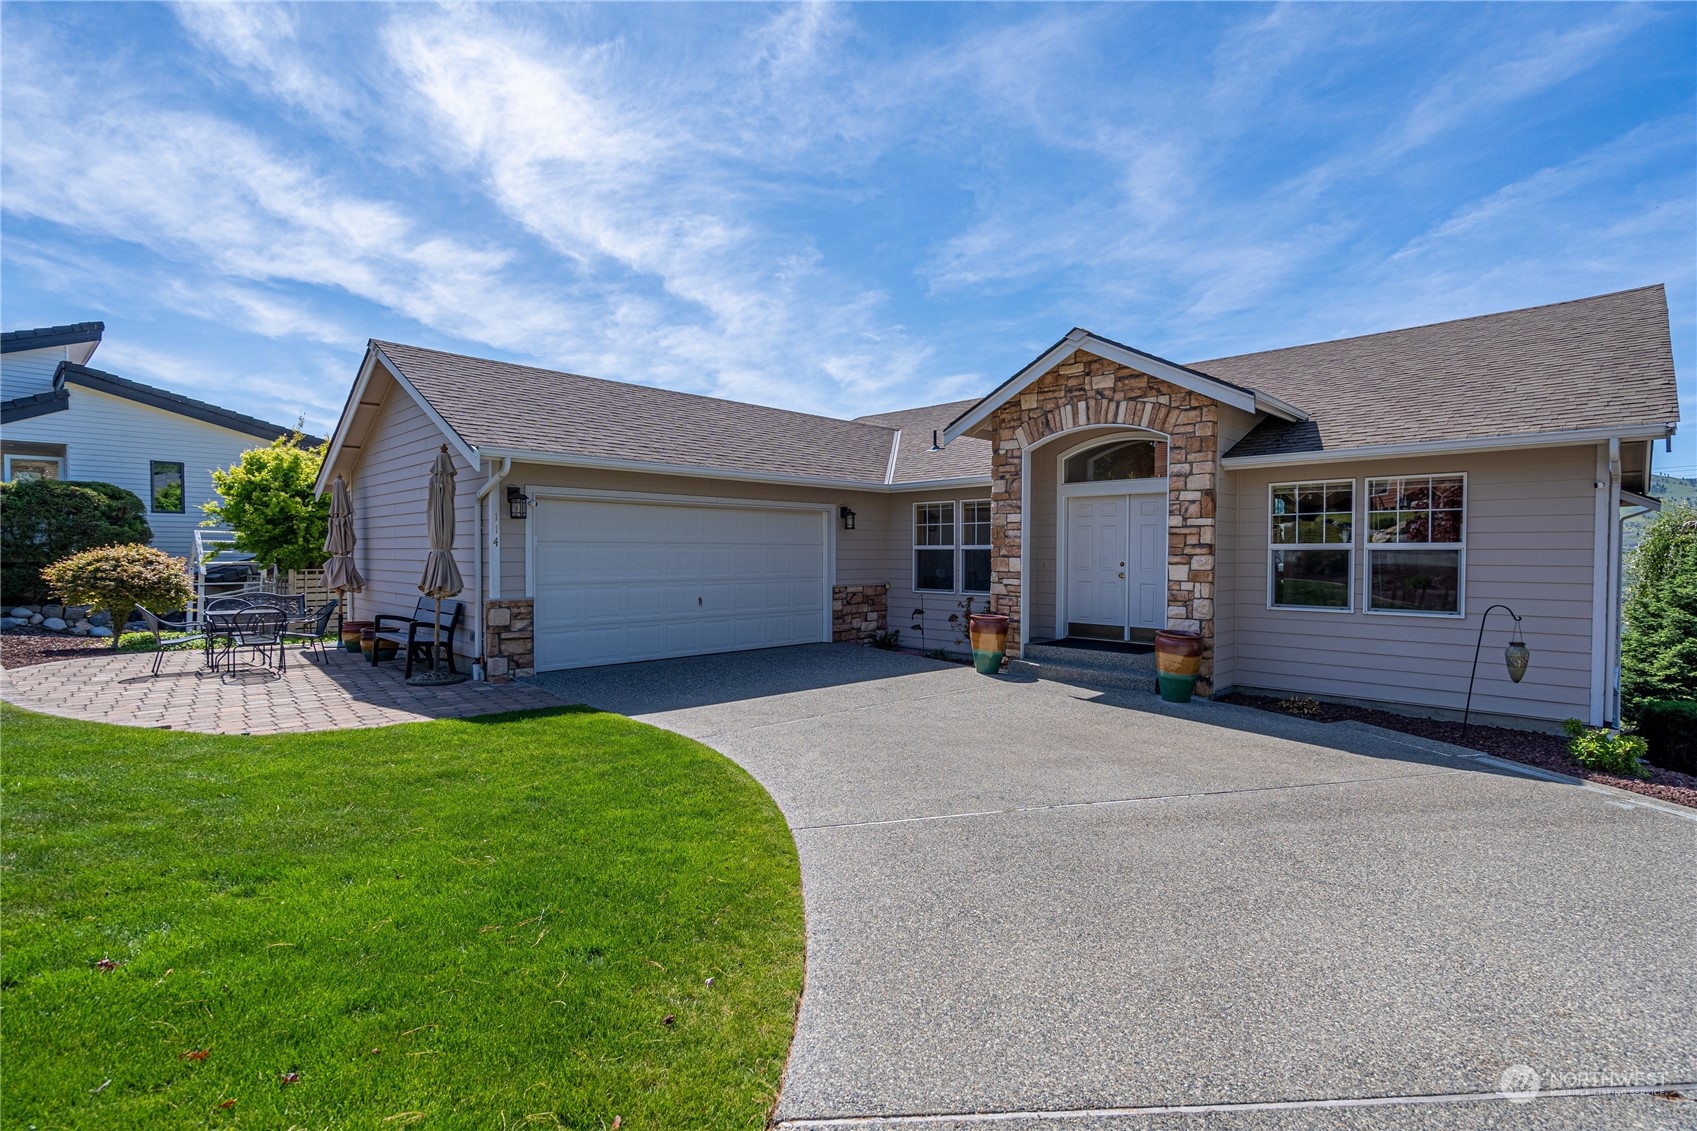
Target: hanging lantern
{"type": "Point", "coordinates": [1517, 655]}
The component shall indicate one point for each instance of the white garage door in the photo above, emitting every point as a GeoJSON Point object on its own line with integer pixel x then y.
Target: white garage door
{"type": "Point", "coordinates": [618, 581]}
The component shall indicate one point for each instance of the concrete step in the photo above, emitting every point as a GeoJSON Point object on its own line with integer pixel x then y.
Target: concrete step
{"type": "Point", "coordinates": [1090, 667]}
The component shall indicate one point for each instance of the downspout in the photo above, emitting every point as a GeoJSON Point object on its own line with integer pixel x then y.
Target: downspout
{"type": "Point", "coordinates": [1615, 540]}
{"type": "Point", "coordinates": [477, 557]}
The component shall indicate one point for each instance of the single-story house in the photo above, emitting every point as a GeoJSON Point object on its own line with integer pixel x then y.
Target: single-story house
{"type": "Point", "coordinates": [1334, 519]}
{"type": "Point", "coordinates": [60, 419]}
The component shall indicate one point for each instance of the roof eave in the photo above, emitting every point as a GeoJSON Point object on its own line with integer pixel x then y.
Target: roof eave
{"type": "Point", "coordinates": [1507, 442]}
{"type": "Point", "coordinates": [78, 334]}
{"type": "Point", "coordinates": [112, 385]}
{"type": "Point", "coordinates": [696, 471]}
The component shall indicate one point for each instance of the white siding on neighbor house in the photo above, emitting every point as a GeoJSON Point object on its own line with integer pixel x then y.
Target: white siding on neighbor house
{"type": "Point", "coordinates": [389, 482]}
{"type": "Point", "coordinates": [1530, 522]}
{"type": "Point", "coordinates": [27, 372]}
{"type": "Point", "coordinates": [113, 440]}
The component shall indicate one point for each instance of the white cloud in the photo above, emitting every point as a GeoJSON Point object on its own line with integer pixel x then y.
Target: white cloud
{"type": "Point", "coordinates": [261, 43]}
{"type": "Point", "coordinates": [659, 221]}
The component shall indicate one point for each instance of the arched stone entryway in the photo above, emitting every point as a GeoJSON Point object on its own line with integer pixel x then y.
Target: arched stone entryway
{"type": "Point", "coordinates": [1084, 392]}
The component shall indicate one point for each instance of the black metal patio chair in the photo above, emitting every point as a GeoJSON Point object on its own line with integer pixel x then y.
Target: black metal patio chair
{"type": "Point", "coordinates": [258, 630]}
{"type": "Point", "coordinates": [166, 635]}
{"type": "Point", "coordinates": [309, 631]}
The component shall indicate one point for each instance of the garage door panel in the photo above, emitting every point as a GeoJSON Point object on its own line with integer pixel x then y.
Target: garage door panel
{"type": "Point", "coordinates": [624, 581]}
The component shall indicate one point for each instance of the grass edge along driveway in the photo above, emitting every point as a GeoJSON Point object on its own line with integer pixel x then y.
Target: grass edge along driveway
{"type": "Point", "coordinates": [475, 922]}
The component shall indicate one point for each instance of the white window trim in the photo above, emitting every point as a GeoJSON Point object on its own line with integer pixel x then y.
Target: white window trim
{"type": "Point", "coordinates": [961, 547]}
{"type": "Point", "coordinates": [60, 460]}
{"type": "Point", "coordinates": [1355, 504]}
{"type": "Point", "coordinates": [1394, 547]}
{"type": "Point", "coordinates": [914, 547]}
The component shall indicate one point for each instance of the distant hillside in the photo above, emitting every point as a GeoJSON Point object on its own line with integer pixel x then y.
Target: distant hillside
{"type": "Point", "coordinates": [1669, 489]}
{"type": "Point", "coordinates": [1673, 488]}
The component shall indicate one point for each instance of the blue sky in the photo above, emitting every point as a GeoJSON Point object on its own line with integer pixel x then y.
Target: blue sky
{"type": "Point", "coordinates": [837, 209]}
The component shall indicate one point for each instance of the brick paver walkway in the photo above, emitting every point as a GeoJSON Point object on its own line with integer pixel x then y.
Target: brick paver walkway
{"type": "Point", "coordinates": [344, 691]}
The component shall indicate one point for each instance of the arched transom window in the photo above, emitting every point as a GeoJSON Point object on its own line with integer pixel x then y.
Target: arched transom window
{"type": "Point", "coordinates": [1117, 459]}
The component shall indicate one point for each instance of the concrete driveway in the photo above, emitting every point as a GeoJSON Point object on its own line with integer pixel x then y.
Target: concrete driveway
{"type": "Point", "coordinates": [1031, 905]}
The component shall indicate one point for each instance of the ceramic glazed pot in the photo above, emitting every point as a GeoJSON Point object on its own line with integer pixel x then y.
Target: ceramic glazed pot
{"type": "Point", "coordinates": [350, 633]}
{"type": "Point", "coordinates": [374, 648]}
{"type": "Point", "coordinates": [1178, 657]}
{"type": "Point", "coordinates": [989, 634]}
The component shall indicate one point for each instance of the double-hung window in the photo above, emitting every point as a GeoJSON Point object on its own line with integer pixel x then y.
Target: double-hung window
{"type": "Point", "coordinates": [1311, 543]}
{"type": "Point", "coordinates": [934, 547]}
{"type": "Point", "coordinates": [1416, 544]}
{"type": "Point", "coordinates": [951, 547]}
{"type": "Point", "coordinates": [975, 546]}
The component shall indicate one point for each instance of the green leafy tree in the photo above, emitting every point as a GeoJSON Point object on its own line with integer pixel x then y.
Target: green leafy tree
{"type": "Point", "coordinates": [118, 578]}
{"type": "Point", "coordinates": [43, 520]}
{"type": "Point", "coordinates": [1659, 646]}
{"type": "Point", "coordinates": [267, 499]}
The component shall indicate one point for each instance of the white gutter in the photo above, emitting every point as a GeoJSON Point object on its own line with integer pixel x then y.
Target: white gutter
{"type": "Point", "coordinates": [477, 553]}
{"type": "Point", "coordinates": [1460, 444]}
{"type": "Point", "coordinates": [649, 467]}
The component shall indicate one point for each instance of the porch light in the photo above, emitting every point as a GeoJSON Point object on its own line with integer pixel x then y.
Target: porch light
{"type": "Point", "coordinates": [848, 517]}
{"type": "Point", "coordinates": [1516, 657]}
{"type": "Point", "coordinates": [518, 503]}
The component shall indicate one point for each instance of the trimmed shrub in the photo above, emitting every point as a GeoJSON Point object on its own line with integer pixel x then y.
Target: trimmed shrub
{"type": "Point", "coordinates": [1659, 647]}
{"type": "Point", "coordinates": [118, 578]}
{"type": "Point", "coordinates": [44, 520]}
{"type": "Point", "coordinates": [1619, 754]}
{"type": "Point", "coordinates": [1669, 726]}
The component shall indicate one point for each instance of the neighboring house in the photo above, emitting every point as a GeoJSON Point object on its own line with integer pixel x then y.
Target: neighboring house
{"type": "Point", "coordinates": [62, 420]}
{"type": "Point", "coordinates": [1334, 518]}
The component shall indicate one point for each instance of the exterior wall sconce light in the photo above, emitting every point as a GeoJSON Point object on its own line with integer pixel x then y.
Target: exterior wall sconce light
{"type": "Point", "coordinates": [1515, 657]}
{"type": "Point", "coordinates": [518, 503]}
{"type": "Point", "coordinates": [847, 516]}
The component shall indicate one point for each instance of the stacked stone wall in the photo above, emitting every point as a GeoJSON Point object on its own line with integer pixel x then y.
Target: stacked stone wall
{"type": "Point", "coordinates": [859, 611]}
{"type": "Point", "coordinates": [509, 646]}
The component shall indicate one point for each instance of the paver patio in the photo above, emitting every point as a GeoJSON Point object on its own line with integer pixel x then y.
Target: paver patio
{"type": "Point", "coordinates": [341, 691]}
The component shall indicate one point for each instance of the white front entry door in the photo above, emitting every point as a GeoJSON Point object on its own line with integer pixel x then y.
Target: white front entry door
{"type": "Point", "coordinates": [618, 581]}
{"type": "Point", "coordinates": [1148, 568]}
{"type": "Point", "coordinates": [1097, 556]}
{"type": "Point", "coordinates": [1116, 564]}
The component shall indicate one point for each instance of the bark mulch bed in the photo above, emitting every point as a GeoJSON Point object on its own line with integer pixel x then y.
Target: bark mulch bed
{"type": "Point", "coordinates": [21, 647]}
{"type": "Point", "coordinates": [1528, 747]}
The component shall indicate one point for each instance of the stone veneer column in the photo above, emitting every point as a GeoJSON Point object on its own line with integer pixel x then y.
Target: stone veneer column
{"type": "Point", "coordinates": [509, 646]}
{"type": "Point", "coordinates": [858, 611]}
{"type": "Point", "coordinates": [1086, 391]}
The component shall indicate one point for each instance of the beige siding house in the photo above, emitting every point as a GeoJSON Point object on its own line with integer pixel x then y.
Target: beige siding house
{"type": "Point", "coordinates": [1333, 519]}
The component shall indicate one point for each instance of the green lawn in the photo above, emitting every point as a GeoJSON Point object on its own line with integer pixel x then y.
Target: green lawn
{"type": "Point", "coordinates": [496, 922]}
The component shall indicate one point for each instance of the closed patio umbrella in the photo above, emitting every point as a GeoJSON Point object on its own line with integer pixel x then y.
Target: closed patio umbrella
{"type": "Point", "coordinates": [441, 574]}
{"type": "Point", "coordinates": [340, 572]}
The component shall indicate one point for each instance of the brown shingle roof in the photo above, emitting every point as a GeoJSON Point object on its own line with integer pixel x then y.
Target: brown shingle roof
{"type": "Point", "coordinates": [915, 462]}
{"type": "Point", "coordinates": [1594, 362]}
{"type": "Point", "coordinates": [1589, 363]}
{"type": "Point", "coordinates": [501, 405]}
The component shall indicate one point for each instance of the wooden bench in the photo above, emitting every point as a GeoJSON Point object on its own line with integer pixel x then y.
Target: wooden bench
{"type": "Point", "coordinates": [416, 634]}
